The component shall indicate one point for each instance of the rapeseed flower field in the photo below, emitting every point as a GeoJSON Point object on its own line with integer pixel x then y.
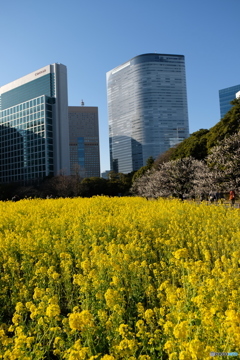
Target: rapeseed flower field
{"type": "Point", "coordinates": [118, 278]}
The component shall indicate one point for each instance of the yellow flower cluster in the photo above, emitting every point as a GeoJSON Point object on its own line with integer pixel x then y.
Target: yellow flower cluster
{"type": "Point", "coordinates": [118, 278]}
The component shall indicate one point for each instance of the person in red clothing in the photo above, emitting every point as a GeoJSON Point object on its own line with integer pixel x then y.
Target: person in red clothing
{"type": "Point", "coordinates": [232, 197]}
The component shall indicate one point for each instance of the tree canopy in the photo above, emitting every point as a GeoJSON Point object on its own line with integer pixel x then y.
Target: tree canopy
{"type": "Point", "coordinates": [224, 163]}
{"type": "Point", "coordinates": [218, 172]}
{"type": "Point", "coordinates": [199, 144]}
{"type": "Point", "coordinates": [173, 178]}
{"type": "Point", "coordinates": [140, 172]}
{"type": "Point", "coordinates": [195, 146]}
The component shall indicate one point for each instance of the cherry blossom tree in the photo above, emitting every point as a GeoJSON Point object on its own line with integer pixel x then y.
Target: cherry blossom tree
{"type": "Point", "coordinates": [173, 178]}
{"type": "Point", "coordinates": [224, 163]}
{"type": "Point", "coordinates": [219, 172]}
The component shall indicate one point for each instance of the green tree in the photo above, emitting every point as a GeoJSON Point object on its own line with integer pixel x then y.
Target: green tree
{"type": "Point", "coordinates": [227, 126]}
{"type": "Point", "coordinates": [199, 144]}
{"type": "Point", "coordinates": [164, 157]}
{"type": "Point", "coordinates": [140, 172]}
{"type": "Point", "coordinates": [93, 186]}
{"type": "Point", "coordinates": [195, 146]}
{"type": "Point", "coordinates": [119, 183]}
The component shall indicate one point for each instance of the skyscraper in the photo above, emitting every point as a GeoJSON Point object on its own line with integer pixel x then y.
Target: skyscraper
{"type": "Point", "coordinates": [147, 109]}
{"type": "Point", "coordinates": [34, 132]}
{"type": "Point", "coordinates": [84, 141]}
{"type": "Point", "coordinates": [225, 97]}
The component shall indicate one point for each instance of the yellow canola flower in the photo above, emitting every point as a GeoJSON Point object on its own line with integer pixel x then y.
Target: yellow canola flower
{"type": "Point", "coordinates": [53, 310]}
{"type": "Point", "coordinates": [19, 307]}
{"type": "Point", "coordinates": [150, 274]}
{"type": "Point", "coordinates": [38, 293]}
{"type": "Point", "coordinates": [16, 319]}
{"type": "Point", "coordinates": [180, 330]}
{"type": "Point", "coordinates": [168, 327]}
{"type": "Point", "coordinates": [196, 349]}
{"type": "Point", "coordinates": [123, 330]}
{"type": "Point", "coordinates": [112, 297]}
{"type": "Point", "coordinates": [81, 321]}
{"type": "Point", "coordinates": [232, 315]}
{"type": "Point", "coordinates": [78, 354]}
{"type": "Point", "coordinates": [184, 355]}
{"type": "Point", "coordinates": [115, 281]}
{"type": "Point", "coordinates": [149, 316]}
{"type": "Point", "coordinates": [181, 253]}
{"type": "Point", "coordinates": [127, 347]}
{"type": "Point", "coordinates": [29, 341]}
{"type": "Point", "coordinates": [173, 356]}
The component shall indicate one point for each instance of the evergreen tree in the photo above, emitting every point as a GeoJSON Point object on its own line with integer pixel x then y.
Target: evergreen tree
{"type": "Point", "coordinates": [195, 146]}
{"type": "Point", "coordinates": [199, 144]}
{"type": "Point", "coordinates": [140, 172]}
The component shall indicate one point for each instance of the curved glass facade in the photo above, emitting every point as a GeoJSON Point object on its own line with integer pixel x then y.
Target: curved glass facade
{"type": "Point", "coordinates": [147, 109]}
{"type": "Point", "coordinates": [225, 97]}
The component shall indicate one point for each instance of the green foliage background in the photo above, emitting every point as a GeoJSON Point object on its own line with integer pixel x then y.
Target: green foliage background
{"type": "Point", "coordinates": [200, 142]}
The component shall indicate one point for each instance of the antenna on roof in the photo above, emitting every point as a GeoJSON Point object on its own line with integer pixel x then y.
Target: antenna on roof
{"type": "Point", "coordinates": [82, 103]}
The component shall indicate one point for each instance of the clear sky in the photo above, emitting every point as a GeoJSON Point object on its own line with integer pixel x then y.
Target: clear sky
{"type": "Point", "coordinates": [92, 37]}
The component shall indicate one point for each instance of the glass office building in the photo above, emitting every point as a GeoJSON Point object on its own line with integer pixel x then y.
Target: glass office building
{"type": "Point", "coordinates": [147, 109]}
{"type": "Point", "coordinates": [225, 97]}
{"type": "Point", "coordinates": [34, 134]}
{"type": "Point", "coordinates": [84, 141]}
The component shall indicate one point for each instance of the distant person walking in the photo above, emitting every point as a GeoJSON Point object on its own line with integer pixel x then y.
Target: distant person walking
{"type": "Point", "coordinates": [212, 197]}
{"type": "Point", "coordinates": [232, 197]}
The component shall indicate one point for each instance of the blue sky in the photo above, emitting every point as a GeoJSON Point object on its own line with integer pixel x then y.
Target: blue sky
{"type": "Point", "coordinates": [92, 37]}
